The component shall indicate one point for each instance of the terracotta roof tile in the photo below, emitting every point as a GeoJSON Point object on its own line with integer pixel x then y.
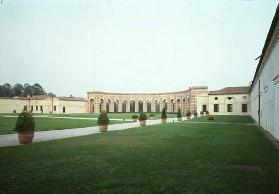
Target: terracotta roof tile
{"type": "Point", "coordinates": [231, 90]}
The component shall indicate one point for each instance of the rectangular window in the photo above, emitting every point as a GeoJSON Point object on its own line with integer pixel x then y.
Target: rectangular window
{"type": "Point", "coordinates": [229, 108]}
{"type": "Point", "coordinates": [244, 108]}
{"type": "Point", "coordinates": [216, 107]}
{"type": "Point", "coordinates": [54, 108]}
{"type": "Point", "coordinates": [36, 108]}
{"type": "Point", "coordinates": [204, 108]}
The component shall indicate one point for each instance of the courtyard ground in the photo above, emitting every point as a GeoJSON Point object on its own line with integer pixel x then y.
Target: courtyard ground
{"type": "Point", "coordinates": [183, 157]}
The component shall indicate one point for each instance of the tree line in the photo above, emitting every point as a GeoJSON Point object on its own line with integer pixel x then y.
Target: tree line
{"type": "Point", "coordinates": [8, 90]}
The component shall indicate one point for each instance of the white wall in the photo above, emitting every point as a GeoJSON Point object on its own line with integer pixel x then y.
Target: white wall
{"type": "Point", "coordinates": [269, 89]}
{"type": "Point", "coordinates": [236, 101]}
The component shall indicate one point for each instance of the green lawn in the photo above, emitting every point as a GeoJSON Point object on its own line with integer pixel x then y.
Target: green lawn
{"type": "Point", "coordinates": [7, 124]}
{"type": "Point", "coordinates": [95, 115]}
{"type": "Point", "coordinates": [171, 158]}
{"type": "Point", "coordinates": [226, 119]}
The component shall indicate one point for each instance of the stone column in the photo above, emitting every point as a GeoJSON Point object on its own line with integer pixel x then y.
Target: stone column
{"type": "Point", "coordinates": [144, 105]}
{"type": "Point", "coordinates": [127, 105]}
{"type": "Point", "coordinates": [153, 106]}
{"type": "Point", "coordinates": [136, 105]}
{"type": "Point", "coordinates": [120, 105]}
{"type": "Point", "coordinates": [111, 106]}
{"type": "Point", "coordinates": [169, 105]}
{"type": "Point", "coordinates": [97, 105]}
{"type": "Point", "coordinates": [161, 105]}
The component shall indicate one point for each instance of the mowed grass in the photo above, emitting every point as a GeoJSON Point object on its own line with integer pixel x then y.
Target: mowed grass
{"type": "Point", "coordinates": [95, 115]}
{"type": "Point", "coordinates": [226, 119]}
{"type": "Point", "coordinates": [7, 124]}
{"type": "Point", "coordinates": [172, 158]}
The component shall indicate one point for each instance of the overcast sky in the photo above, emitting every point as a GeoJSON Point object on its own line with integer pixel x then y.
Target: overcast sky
{"type": "Point", "coordinates": [71, 47]}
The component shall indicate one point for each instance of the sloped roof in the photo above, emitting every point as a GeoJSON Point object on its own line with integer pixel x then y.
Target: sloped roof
{"type": "Point", "coordinates": [71, 98]}
{"type": "Point", "coordinates": [231, 90]}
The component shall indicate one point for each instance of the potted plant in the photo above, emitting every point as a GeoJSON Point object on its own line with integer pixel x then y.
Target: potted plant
{"type": "Point", "coordinates": [142, 119]}
{"type": "Point", "coordinates": [103, 121]}
{"type": "Point", "coordinates": [188, 114]}
{"type": "Point", "coordinates": [135, 118]}
{"type": "Point", "coordinates": [179, 116]}
{"type": "Point", "coordinates": [210, 118]}
{"type": "Point", "coordinates": [201, 113]}
{"type": "Point", "coordinates": [25, 127]}
{"type": "Point", "coordinates": [164, 116]}
{"type": "Point", "coordinates": [206, 112]}
{"type": "Point", "coordinates": [195, 114]}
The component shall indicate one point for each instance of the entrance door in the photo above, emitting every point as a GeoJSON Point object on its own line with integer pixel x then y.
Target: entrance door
{"type": "Point", "coordinates": [64, 109]}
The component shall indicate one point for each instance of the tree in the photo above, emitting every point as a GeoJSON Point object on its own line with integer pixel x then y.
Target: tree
{"type": "Point", "coordinates": [51, 94]}
{"type": "Point", "coordinates": [18, 90]}
{"type": "Point", "coordinates": [28, 90]}
{"type": "Point", "coordinates": [38, 89]}
{"type": "Point", "coordinates": [6, 90]}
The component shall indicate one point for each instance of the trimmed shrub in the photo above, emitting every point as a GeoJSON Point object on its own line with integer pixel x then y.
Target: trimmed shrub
{"type": "Point", "coordinates": [206, 112]}
{"type": "Point", "coordinates": [210, 118]}
{"type": "Point", "coordinates": [201, 112]}
{"type": "Point", "coordinates": [188, 114]}
{"type": "Point", "coordinates": [164, 114]}
{"type": "Point", "coordinates": [25, 122]}
{"type": "Point", "coordinates": [142, 116]}
{"type": "Point", "coordinates": [179, 115]}
{"type": "Point", "coordinates": [135, 116]}
{"type": "Point", "coordinates": [195, 114]}
{"type": "Point", "coordinates": [103, 119]}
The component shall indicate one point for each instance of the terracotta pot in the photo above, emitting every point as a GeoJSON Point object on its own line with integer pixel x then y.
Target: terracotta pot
{"type": "Point", "coordinates": [25, 137]}
{"type": "Point", "coordinates": [135, 120]}
{"type": "Point", "coordinates": [179, 119]}
{"type": "Point", "coordinates": [164, 120]}
{"type": "Point", "coordinates": [103, 128]}
{"type": "Point", "coordinates": [143, 123]}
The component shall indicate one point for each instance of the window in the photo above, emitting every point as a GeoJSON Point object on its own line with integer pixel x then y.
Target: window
{"type": "Point", "coordinates": [36, 108]}
{"type": "Point", "coordinates": [229, 107]}
{"type": "Point", "coordinates": [244, 108]}
{"type": "Point", "coordinates": [244, 97]}
{"type": "Point", "coordinates": [25, 108]}
{"type": "Point", "coordinates": [216, 107]}
{"type": "Point", "coordinates": [64, 109]}
{"type": "Point", "coordinates": [31, 108]}
{"type": "Point", "coordinates": [41, 108]}
{"type": "Point", "coordinates": [54, 108]}
{"type": "Point", "coordinates": [229, 98]}
{"type": "Point", "coordinates": [216, 98]}
{"type": "Point", "coordinates": [204, 108]}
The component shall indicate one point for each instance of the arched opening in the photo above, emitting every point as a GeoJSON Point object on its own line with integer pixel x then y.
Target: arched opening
{"type": "Point", "coordinates": [91, 106]}
{"type": "Point", "coordinates": [157, 105]}
{"type": "Point", "coordinates": [140, 106]}
{"type": "Point", "coordinates": [116, 105]}
{"type": "Point", "coordinates": [178, 105]}
{"type": "Point", "coordinates": [132, 106]}
{"type": "Point", "coordinates": [172, 105]}
{"type": "Point", "coordinates": [165, 104]}
{"type": "Point", "coordinates": [107, 106]}
{"type": "Point", "coordinates": [124, 105]}
{"type": "Point", "coordinates": [148, 106]}
{"type": "Point", "coordinates": [101, 105]}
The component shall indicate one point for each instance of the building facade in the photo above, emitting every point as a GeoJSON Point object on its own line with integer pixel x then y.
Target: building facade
{"type": "Point", "coordinates": [265, 86]}
{"type": "Point", "coordinates": [145, 102]}
{"type": "Point", "coordinates": [43, 104]}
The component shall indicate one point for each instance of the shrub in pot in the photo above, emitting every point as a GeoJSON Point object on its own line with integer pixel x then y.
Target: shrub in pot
{"type": "Point", "coordinates": [25, 127]}
{"type": "Point", "coordinates": [206, 112]}
{"type": "Point", "coordinates": [142, 119]}
{"type": "Point", "coordinates": [179, 115]}
{"type": "Point", "coordinates": [195, 114]}
{"type": "Point", "coordinates": [103, 121]}
{"type": "Point", "coordinates": [201, 113]}
{"type": "Point", "coordinates": [164, 116]}
{"type": "Point", "coordinates": [188, 114]}
{"type": "Point", "coordinates": [210, 118]}
{"type": "Point", "coordinates": [135, 118]}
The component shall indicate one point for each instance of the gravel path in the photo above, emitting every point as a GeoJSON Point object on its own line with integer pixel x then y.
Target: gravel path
{"type": "Point", "coordinates": [12, 139]}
